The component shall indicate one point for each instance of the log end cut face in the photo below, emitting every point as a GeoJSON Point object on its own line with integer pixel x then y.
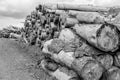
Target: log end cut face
{"type": "Point", "coordinates": [67, 35]}
{"type": "Point", "coordinates": [108, 38]}
{"type": "Point", "coordinates": [56, 46]}
{"type": "Point", "coordinates": [92, 71]}
{"type": "Point", "coordinates": [112, 74]}
{"type": "Point", "coordinates": [49, 65]}
{"type": "Point", "coordinates": [106, 60]}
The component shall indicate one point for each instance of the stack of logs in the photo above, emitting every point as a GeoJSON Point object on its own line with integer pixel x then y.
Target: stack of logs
{"type": "Point", "coordinates": [10, 32]}
{"type": "Point", "coordinates": [79, 42]}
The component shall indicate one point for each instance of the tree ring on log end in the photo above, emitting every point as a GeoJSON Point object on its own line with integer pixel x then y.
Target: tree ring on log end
{"type": "Point", "coordinates": [92, 70]}
{"type": "Point", "coordinates": [108, 38]}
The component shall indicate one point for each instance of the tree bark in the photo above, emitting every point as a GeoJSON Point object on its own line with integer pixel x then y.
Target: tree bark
{"type": "Point", "coordinates": [103, 36]}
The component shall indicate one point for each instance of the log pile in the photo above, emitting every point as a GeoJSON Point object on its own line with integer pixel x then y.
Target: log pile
{"type": "Point", "coordinates": [10, 32]}
{"type": "Point", "coordinates": [79, 42]}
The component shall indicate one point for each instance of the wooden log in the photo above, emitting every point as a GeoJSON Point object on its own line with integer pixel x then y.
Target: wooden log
{"type": "Point", "coordinates": [103, 36]}
{"type": "Point", "coordinates": [86, 49]}
{"type": "Point", "coordinates": [73, 13]}
{"type": "Point", "coordinates": [82, 7]}
{"type": "Point", "coordinates": [57, 71]}
{"type": "Point", "coordinates": [50, 6]}
{"type": "Point", "coordinates": [15, 36]}
{"type": "Point", "coordinates": [80, 65]}
{"type": "Point", "coordinates": [112, 74]}
{"type": "Point", "coordinates": [92, 70]}
{"type": "Point", "coordinates": [117, 59]}
{"type": "Point", "coordinates": [67, 35]}
{"type": "Point", "coordinates": [45, 46]}
{"type": "Point", "coordinates": [62, 56]}
{"type": "Point", "coordinates": [71, 22]}
{"type": "Point", "coordinates": [56, 46]}
{"type": "Point", "coordinates": [56, 11]}
{"type": "Point", "coordinates": [90, 17]}
{"type": "Point", "coordinates": [115, 20]}
{"type": "Point", "coordinates": [60, 12]}
{"type": "Point", "coordinates": [106, 60]}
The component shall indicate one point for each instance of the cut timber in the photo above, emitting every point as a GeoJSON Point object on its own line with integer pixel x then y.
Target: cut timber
{"type": "Point", "coordinates": [76, 48]}
{"type": "Point", "coordinates": [112, 74]}
{"type": "Point", "coordinates": [45, 46]}
{"type": "Point", "coordinates": [67, 35]}
{"type": "Point", "coordinates": [80, 65]}
{"type": "Point", "coordinates": [80, 16]}
{"type": "Point", "coordinates": [106, 60]}
{"type": "Point", "coordinates": [73, 13]}
{"type": "Point", "coordinates": [57, 71]}
{"type": "Point", "coordinates": [81, 7]}
{"type": "Point", "coordinates": [56, 45]}
{"type": "Point", "coordinates": [71, 22]}
{"type": "Point", "coordinates": [90, 17]}
{"type": "Point", "coordinates": [50, 6]}
{"type": "Point", "coordinates": [103, 36]}
{"type": "Point", "coordinates": [108, 38]}
{"type": "Point", "coordinates": [92, 70]}
{"type": "Point", "coordinates": [56, 11]}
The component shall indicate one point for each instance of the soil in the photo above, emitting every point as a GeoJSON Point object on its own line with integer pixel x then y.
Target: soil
{"type": "Point", "coordinates": [19, 61]}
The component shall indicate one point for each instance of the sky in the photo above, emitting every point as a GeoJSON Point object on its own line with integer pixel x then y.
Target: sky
{"type": "Point", "coordinates": [13, 12]}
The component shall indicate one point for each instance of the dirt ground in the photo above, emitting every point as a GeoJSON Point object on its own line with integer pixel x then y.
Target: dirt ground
{"type": "Point", "coordinates": [20, 62]}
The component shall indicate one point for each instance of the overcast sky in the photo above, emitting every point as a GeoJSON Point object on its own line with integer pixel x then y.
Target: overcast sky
{"type": "Point", "coordinates": [12, 12]}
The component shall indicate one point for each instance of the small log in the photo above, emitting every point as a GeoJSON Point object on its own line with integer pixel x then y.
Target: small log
{"type": "Point", "coordinates": [106, 60]}
{"type": "Point", "coordinates": [112, 74]}
{"type": "Point", "coordinates": [55, 11]}
{"type": "Point", "coordinates": [92, 70]}
{"type": "Point", "coordinates": [71, 22]}
{"type": "Point", "coordinates": [67, 35]}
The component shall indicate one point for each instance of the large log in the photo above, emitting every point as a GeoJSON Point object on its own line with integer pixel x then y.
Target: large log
{"type": "Point", "coordinates": [80, 65]}
{"type": "Point", "coordinates": [82, 16]}
{"type": "Point", "coordinates": [82, 8]}
{"type": "Point", "coordinates": [90, 17]}
{"type": "Point", "coordinates": [57, 71]}
{"type": "Point", "coordinates": [103, 36]}
{"type": "Point", "coordinates": [77, 64]}
{"type": "Point", "coordinates": [92, 70]}
{"type": "Point", "coordinates": [70, 42]}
